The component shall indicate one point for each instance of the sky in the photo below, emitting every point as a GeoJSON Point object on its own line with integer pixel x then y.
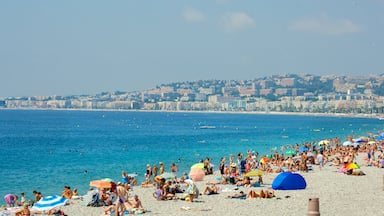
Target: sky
{"type": "Point", "coordinates": [87, 47]}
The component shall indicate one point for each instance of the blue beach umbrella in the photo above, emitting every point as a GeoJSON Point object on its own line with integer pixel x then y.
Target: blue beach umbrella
{"type": "Point", "coordinates": [50, 202]}
{"type": "Point", "coordinates": [302, 148]}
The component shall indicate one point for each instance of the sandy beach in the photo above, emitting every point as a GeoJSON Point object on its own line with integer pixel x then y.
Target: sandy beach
{"type": "Point", "coordinates": [338, 193]}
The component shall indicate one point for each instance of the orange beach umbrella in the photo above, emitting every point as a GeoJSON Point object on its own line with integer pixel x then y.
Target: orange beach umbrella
{"type": "Point", "coordinates": [264, 160]}
{"type": "Point", "coordinates": [100, 184]}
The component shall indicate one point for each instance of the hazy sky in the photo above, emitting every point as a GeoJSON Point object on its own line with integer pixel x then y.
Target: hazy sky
{"type": "Point", "coordinates": [76, 47]}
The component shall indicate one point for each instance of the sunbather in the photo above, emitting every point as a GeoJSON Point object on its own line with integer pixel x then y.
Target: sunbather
{"type": "Point", "coordinates": [238, 195]}
{"type": "Point", "coordinates": [262, 194]}
{"type": "Point", "coordinates": [210, 190]}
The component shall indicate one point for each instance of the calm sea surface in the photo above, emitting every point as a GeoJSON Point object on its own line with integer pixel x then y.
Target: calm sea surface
{"type": "Point", "coordinates": [45, 150]}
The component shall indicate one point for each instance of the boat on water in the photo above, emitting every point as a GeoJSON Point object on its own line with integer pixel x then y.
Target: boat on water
{"type": "Point", "coordinates": [207, 127]}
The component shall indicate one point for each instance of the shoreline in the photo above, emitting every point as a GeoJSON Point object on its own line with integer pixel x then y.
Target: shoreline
{"type": "Point", "coordinates": [343, 115]}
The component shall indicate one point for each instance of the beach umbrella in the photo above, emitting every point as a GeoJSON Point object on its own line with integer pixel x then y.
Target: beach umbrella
{"type": "Point", "coordinates": [255, 172]}
{"type": "Point", "coordinates": [107, 180]}
{"type": "Point", "coordinates": [49, 202]}
{"type": "Point", "coordinates": [360, 141]}
{"type": "Point", "coordinates": [196, 174]}
{"type": "Point", "coordinates": [100, 184]}
{"type": "Point", "coordinates": [198, 165]}
{"type": "Point", "coordinates": [303, 148]}
{"type": "Point", "coordinates": [371, 142]}
{"type": "Point", "coordinates": [290, 153]}
{"type": "Point", "coordinates": [289, 181]}
{"type": "Point", "coordinates": [347, 143]}
{"type": "Point", "coordinates": [352, 166]}
{"type": "Point", "coordinates": [168, 176]}
{"type": "Point", "coordinates": [264, 160]}
{"type": "Point", "coordinates": [364, 138]}
{"type": "Point", "coordinates": [324, 142]}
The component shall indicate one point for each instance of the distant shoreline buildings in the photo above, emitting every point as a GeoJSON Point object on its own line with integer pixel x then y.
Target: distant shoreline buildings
{"type": "Point", "coordinates": [278, 93]}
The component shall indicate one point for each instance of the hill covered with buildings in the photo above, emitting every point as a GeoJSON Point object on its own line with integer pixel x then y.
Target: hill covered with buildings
{"type": "Point", "coordinates": [281, 93]}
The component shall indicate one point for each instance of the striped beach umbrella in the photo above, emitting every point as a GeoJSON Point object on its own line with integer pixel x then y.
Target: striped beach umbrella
{"type": "Point", "coordinates": [49, 202]}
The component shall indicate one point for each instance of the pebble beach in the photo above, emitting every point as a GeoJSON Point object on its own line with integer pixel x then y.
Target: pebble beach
{"type": "Point", "coordinates": [338, 194]}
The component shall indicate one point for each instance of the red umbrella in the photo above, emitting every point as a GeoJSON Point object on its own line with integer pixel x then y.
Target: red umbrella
{"type": "Point", "coordinates": [196, 174]}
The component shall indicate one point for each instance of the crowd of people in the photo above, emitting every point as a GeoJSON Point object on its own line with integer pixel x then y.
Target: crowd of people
{"type": "Point", "coordinates": [302, 157]}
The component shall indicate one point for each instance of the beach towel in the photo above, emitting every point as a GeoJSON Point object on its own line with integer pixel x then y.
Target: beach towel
{"type": "Point", "coordinates": [240, 197]}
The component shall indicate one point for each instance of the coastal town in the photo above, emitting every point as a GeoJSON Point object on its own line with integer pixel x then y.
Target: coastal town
{"type": "Point", "coordinates": [278, 93]}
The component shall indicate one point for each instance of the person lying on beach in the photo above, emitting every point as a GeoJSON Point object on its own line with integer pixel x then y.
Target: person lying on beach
{"type": "Point", "coordinates": [222, 180]}
{"type": "Point", "coordinates": [209, 190]}
{"type": "Point", "coordinates": [336, 161]}
{"type": "Point", "coordinates": [56, 212]}
{"type": "Point", "coordinates": [238, 195]}
{"type": "Point", "coordinates": [355, 172]}
{"type": "Point", "coordinates": [262, 194]}
{"type": "Point", "coordinates": [24, 212]}
{"type": "Point", "coordinates": [246, 182]}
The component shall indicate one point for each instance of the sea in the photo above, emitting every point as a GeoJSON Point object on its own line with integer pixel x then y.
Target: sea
{"type": "Point", "coordinates": [45, 150]}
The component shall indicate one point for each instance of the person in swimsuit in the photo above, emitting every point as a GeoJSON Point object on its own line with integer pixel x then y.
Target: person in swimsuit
{"type": "Point", "coordinates": [238, 195]}
{"type": "Point", "coordinates": [211, 190]}
{"type": "Point", "coordinates": [122, 197]}
{"type": "Point", "coordinates": [24, 212]}
{"type": "Point", "coordinates": [162, 169]}
{"type": "Point", "coordinates": [148, 174]}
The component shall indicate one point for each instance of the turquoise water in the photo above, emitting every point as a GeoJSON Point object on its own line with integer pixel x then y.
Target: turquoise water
{"type": "Point", "coordinates": [45, 150]}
